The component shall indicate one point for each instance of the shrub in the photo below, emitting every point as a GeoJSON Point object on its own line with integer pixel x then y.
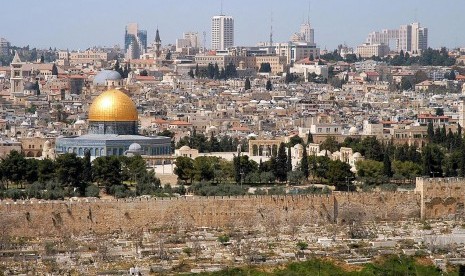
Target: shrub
{"type": "Point", "coordinates": [302, 245]}
{"type": "Point", "coordinates": [388, 187]}
{"type": "Point", "coordinates": [223, 239]}
{"type": "Point", "coordinates": [14, 194]}
{"type": "Point", "coordinates": [92, 191]}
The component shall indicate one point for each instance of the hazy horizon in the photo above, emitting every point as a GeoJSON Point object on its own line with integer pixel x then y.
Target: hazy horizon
{"type": "Point", "coordinates": [67, 25]}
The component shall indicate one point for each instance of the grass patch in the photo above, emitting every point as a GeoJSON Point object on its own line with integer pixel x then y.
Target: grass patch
{"type": "Point", "coordinates": [391, 265]}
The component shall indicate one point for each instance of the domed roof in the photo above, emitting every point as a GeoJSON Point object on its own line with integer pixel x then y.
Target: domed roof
{"type": "Point", "coordinates": [357, 155]}
{"type": "Point", "coordinates": [324, 153]}
{"type": "Point", "coordinates": [80, 122]}
{"type": "Point", "coordinates": [47, 145]}
{"type": "Point", "coordinates": [104, 75]}
{"type": "Point", "coordinates": [353, 131]}
{"type": "Point", "coordinates": [29, 86]}
{"type": "Point", "coordinates": [113, 106]}
{"type": "Point", "coordinates": [134, 147]}
{"type": "Point", "coordinates": [185, 148]}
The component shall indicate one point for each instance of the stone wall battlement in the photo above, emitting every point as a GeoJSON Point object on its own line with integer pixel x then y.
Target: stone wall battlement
{"type": "Point", "coordinates": [153, 199]}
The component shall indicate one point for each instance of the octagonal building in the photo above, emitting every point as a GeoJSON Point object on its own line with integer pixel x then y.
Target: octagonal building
{"type": "Point", "coordinates": [113, 128]}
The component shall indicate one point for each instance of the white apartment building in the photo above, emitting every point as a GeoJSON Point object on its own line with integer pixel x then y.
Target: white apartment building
{"type": "Point", "coordinates": [408, 38]}
{"type": "Point", "coordinates": [4, 46]}
{"type": "Point", "coordinates": [368, 50]}
{"type": "Point", "coordinates": [222, 32]}
{"type": "Point", "coordinates": [193, 38]}
{"type": "Point", "coordinates": [295, 51]}
{"type": "Point", "coordinates": [306, 69]}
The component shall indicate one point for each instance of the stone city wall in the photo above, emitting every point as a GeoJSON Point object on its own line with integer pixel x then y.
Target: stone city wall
{"type": "Point", "coordinates": [84, 216]}
{"type": "Point", "coordinates": [441, 197]}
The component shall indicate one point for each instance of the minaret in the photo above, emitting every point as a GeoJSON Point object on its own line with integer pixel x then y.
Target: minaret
{"type": "Point", "coordinates": [157, 44]}
{"type": "Point", "coordinates": [16, 78]}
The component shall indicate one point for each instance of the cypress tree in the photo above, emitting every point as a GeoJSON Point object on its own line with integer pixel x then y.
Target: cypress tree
{"type": "Point", "coordinates": [247, 85]}
{"type": "Point", "coordinates": [310, 138]}
{"type": "Point", "coordinates": [430, 132]}
{"type": "Point", "coordinates": [289, 160]}
{"type": "Point", "coordinates": [216, 72]}
{"type": "Point", "coordinates": [196, 72]}
{"type": "Point", "coordinates": [304, 163]}
{"type": "Point", "coordinates": [237, 168]}
{"type": "Point", "coordinates": [54, 70]}
{"type": "Point", "coordinates": [387, 169]}
{"type": "Point", "coordinates": [269, 86]}
{"type": "Point", "coordinates": [281, 161]}
{"type": "Point", "coordinates": [443, 138]}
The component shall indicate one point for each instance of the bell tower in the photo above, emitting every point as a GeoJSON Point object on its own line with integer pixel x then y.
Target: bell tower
{"type": "Point", "coordinates": [157, 44]}
{"type": "Point", "coordinates": [16, 78]}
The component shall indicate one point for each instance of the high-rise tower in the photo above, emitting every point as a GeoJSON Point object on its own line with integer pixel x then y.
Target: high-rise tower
{"type": "Point", "coordinates": [222, 32]}
{"type": "Point", "coordinates": [135, 41]}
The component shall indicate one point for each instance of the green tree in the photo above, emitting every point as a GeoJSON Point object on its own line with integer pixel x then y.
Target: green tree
{"type": "Point", "coordinates": [430, 132]}
{"type": "Point", "coordinates": [13, 167]}
{"type": "Point", "coordinates": [330, 144]}
{"type": "Point", "coordinates": [371, 148]}
{"type": "Point", "coordinates": [148, 184]}
{"type": "Point", "coordinates": [289, 160]}
{"type": "Point", "coordinates": [406, 169]}
{"type": "Point", "coordinates": [340, 175]}
{"type": "Point", "coordinates": [214, 144]}
{"type": "Point", "coordinates": [304, 163]}
{"type": "Point", "coordinates": [269, 86]}
{"type": "Point", "coordinates": [216, 72]}
{"type": "Point", "coordinates": [309, 137]}
{"type": "Point", "coordinates": [46, 170]}
{"type": "Point", "coordinates": [370, 172]}
{"type": "Point", "coordinates": [54, 70]}
{"type": "Point", "coordinates": [281, 161]}
{"type": "Point", "coordinates": [420, 76]}
{"type": "Point", "coordinates": [37, 87]}
{"type": "Point", "coordinates": [191, 73]}
{"type": "Point", "coordinates": [387, 169]}
{"type": "Point", "coordinates": [205, 167]}
{"type": "Point", "coordinates": [86, 173]}
{"type": "Point", "coordinates": [69, 170]}
{"type": "Point", "coordinates": [133, 168]}
{"type": "Point", "coordinates": [247, 85]}
{"type": "Point", "coordinates": [184, 168]}
{"type": "Point", "coordinates": [405, 84]}
{"type": "Point", "coordinates": [106, 172]}
{"type": "Point", "coordinates": [295, 140]}
{"type": "Point", "coordinates": [451, 75]}
{"type": "Point", "coordinates": [432, 160]}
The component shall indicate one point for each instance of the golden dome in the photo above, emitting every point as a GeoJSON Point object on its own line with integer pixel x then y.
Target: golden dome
{"type": "Point", "coordinates": [113, 106]}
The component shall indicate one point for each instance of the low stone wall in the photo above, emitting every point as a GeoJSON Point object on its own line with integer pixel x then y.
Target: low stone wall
{"type": "Point", "coordinates": [85, 216]}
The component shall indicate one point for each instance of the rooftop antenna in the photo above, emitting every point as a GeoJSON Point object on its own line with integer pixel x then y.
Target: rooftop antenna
{"type": "Point", "coordinates": [221, 13]}
{"type": "Point", "coordinates": [308, 15]}
{"type": "Point", "coordinates": [416, 11]}
{"type": "Point", "coordinates": [204, 41]}
{"type": "Point", "coordinates": [271, 29]}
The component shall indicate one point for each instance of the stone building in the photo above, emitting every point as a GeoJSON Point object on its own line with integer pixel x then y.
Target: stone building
{"type": "Point", "coordinates": [113, 128]}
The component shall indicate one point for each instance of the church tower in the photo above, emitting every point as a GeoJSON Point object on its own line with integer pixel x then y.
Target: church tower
{"type": "Point", "coordinates": [157, 45]}
{"type": "Point", "coordinates": [16, 78]}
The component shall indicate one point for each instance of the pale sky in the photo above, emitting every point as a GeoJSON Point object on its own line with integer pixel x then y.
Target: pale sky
{"type": "Point", "coordinates": [82, 24]}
